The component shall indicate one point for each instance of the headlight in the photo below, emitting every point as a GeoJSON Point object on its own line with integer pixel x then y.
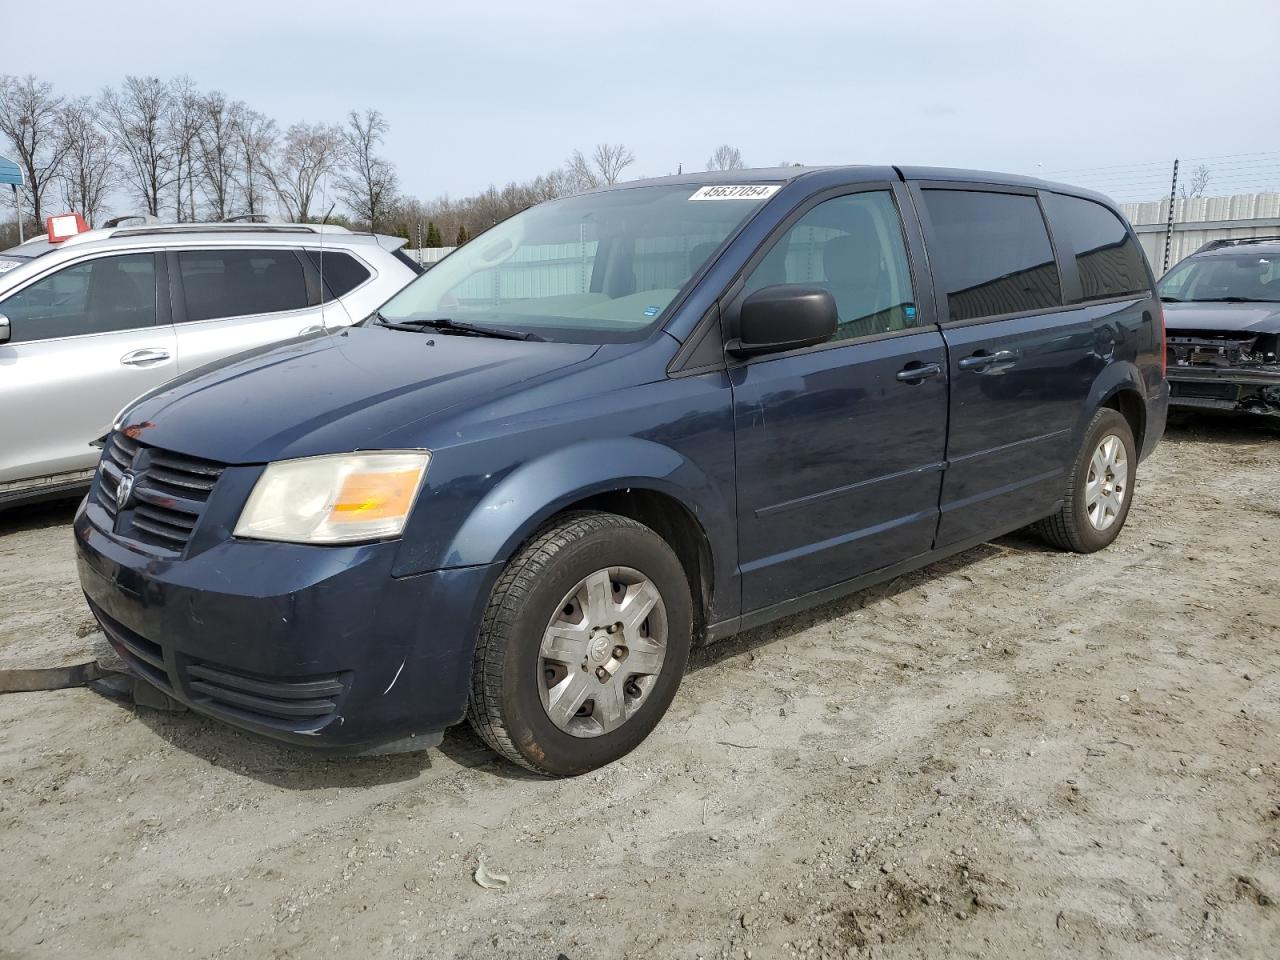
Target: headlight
{"type": "Point", "coordinates": [334, 499]}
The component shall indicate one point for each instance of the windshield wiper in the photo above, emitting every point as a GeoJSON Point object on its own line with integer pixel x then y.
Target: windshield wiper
{"type": "Point", "coordinates": [1232, 300]}
{"type": "Point", "coordinates": [1168, 299]}
{"type": "Point", "coordinates": [456, 326]}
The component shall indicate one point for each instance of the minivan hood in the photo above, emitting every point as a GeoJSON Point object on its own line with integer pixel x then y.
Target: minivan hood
{"type": "Point", "coordinates": [1248, 317]}
{"type": "Point", "coordinates": [334, 393]}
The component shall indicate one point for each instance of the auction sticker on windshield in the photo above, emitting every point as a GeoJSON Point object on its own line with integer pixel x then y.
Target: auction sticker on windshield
{"type": "Point", "coordinates": [6, 265]}
{"type": "Point", "coordinates": [747, 191]}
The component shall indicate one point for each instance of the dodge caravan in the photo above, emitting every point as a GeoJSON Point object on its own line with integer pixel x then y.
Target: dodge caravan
{"type": "Point", "coordinates": [611, 427]}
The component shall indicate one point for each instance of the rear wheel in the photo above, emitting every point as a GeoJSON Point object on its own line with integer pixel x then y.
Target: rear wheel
{"type": "Point", "coordinates": [583, 645]}
{"type": "Point", "coordinates": [1099, 489]}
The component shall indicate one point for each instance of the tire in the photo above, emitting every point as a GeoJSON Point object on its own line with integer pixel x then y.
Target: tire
{"type": "Point", "coordinates": [1073, 527]}
{"type": "Point", "coordinates": [533, 662]}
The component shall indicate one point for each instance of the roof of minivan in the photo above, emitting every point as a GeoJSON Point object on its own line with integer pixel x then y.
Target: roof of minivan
{"type": "Point", "coordinates": [864, 172]}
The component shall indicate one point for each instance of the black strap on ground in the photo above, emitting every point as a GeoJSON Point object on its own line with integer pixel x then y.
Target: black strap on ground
{"type": "Point", "coordinates": [49, 678]}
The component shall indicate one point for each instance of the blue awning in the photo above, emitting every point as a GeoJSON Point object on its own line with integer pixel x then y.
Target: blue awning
{"type": "Point", "coordinates": [10, 172]}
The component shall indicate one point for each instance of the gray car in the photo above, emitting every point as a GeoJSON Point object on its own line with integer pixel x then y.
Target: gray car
{"type": "Point", "coordinates": [92, 321]}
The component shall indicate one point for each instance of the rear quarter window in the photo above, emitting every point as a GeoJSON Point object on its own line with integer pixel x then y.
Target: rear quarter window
{"type": "Point", "coordinates": [342, 272]}
{"type": "Point", "coordinates": [1108, 259]}
{"type": "Point", "coordinates": [991, 253]}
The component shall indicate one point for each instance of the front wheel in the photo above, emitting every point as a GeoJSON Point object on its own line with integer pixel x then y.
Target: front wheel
{"type": "Point", "coordinates": [583, 645]}
{"type": "Point", "coordinates": [1099, 489]}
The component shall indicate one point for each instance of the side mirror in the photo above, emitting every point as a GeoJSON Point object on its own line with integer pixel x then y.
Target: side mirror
{"type": "Point", "coordinates": [785, 316]}
{"type": "Point", "coordinates": [5, 332]}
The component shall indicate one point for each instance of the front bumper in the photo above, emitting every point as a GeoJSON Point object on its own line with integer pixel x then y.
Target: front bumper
{"type": "Point", "coordinates": [319, 646]}
{"type": "Point", "coordinates": [1230, 389]}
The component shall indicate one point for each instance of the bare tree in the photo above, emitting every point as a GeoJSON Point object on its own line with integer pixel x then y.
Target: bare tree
{"type": "Point", "coordinates": [610, 159]}
{"type": "Point", "coordinates": [29, 113]}
{"type": "Point", "coordinates": [255, 142]}
{"type": "Point", "coordinates": [1197, 183]}
{"type": "Point", "coordinates": [216, 143]}
{"type": "Point", "coordinates": [308, 154]}
{"type": "Point", "coordinates": [182, 129]}
{"type": "Point", "coordinates": [89, 165]}
{"type": "Point", "coordinates": [368, 182]}
{"type": "Point", "coordinates": [726, 158]}
{"type": "Point", "coordinates": [578, 174]}
{"type": "Point", "coordinates": [136, 116]}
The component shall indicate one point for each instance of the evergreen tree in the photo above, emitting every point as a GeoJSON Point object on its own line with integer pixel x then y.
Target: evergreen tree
{"type": "Point", "coordinates": [433, 235]}
{"type": "Point", "coordinates": [463, 236]}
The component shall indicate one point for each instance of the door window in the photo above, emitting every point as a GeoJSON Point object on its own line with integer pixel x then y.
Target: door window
{"type": "Point", "coordinates": [240, 283]}
{"type": "Point", "coordinates": [852, 246]}
{"type": "Point", "coordinates": [97, 296]}
{"type": "Point", "coordinates": [1107, 257]}
{"type": "Point", "coordinates": [342, 272]}
{"type": "Point", "coordinates": [991, 254]}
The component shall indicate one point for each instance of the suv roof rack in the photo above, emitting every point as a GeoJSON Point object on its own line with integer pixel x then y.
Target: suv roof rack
{"type": "Point", "coordinates": [117, 221]}
{"type": "Point", "coordinates": [1235, 242]}
{"type": "Point", "coordinates": [155, 228]}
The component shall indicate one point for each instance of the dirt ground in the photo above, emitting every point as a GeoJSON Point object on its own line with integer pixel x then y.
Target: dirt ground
{"type": "Point", "coordinates": [1015, 753]}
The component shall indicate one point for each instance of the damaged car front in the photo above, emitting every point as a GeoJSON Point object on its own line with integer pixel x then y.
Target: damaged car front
{"type": "Point", "coordinates": [1222, 320]}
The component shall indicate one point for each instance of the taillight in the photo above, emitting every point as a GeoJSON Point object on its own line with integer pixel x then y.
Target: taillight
{"type": "Point", "coordinates": [1164, 341]}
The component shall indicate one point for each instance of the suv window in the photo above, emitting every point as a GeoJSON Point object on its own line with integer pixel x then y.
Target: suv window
{"type": "Point", "coordinates": [239, 283]}
{"type": "Point", "coordinates": [97, 296]}
{"type": "Point", "coordinates": [342, 272]}
{"type": "Point", "coordinates": [1107, 258]}
{"type": "Point", "coordinates": [991, 253]}
{"type": "Point", "coordinates": [853, 247]}
{"type": "Point", "coordinates": [1225, 277]}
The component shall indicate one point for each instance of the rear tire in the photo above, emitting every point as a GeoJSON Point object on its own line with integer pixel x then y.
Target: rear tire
{"type": "Point", "coordinates": [583, 645]}
{"type": "Point", "coordinates": [1099, 489]}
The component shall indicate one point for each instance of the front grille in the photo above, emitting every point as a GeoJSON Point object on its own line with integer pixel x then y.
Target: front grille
{"type": "Point", "coordinates": [170, 491]}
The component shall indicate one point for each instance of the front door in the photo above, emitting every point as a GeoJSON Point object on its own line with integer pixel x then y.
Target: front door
{"type": "Point", "coordinates": [840, 447]}
{"type": "Point", "coordinates": [84, 341]}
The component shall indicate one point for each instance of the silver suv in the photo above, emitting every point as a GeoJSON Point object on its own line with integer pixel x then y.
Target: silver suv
{"type": "Point", "coordinates": [92, 321]}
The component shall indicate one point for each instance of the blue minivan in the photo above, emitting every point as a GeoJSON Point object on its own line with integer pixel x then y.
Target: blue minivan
{"type": "Point", "coordinates": [613, 426]}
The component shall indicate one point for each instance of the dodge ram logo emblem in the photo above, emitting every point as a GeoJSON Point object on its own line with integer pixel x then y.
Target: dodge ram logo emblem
{"type": "Point", "coordinates": [125, 490]}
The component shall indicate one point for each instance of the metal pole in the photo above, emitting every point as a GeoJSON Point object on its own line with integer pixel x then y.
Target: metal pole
{"type": "Point", "coordinates": [1168, 232]}
{"type": "Point", "coordinates": [17, 206]}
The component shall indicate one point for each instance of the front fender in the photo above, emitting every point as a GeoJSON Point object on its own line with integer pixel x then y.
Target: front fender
{"type": "Point", "coordinates": [525, 498]}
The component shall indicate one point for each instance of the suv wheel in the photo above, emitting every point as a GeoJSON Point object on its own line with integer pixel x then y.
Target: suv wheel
{"type": "Point", "coordinates": [1099, 489]}
{"type": "Point", "coordinates": [583, 645]}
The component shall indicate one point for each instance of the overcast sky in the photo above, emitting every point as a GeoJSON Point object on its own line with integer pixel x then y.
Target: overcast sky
{"type": "Point", "coordinates": [481, 92]}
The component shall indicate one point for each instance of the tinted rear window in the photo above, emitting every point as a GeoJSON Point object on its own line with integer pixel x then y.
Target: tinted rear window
{"type": "Point", "coordinates": [342, 272]}
{"type": "Point", "coordinates": [991, 253]}
{"type": "Point", "coordinates": [1107, 258]}
{"type": "Point", "coordinates": [241, 283]}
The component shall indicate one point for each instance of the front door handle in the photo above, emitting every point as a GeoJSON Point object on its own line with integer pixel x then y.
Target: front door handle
{"type": "Point", "coordinates": [147, 357]}
{"type": "Point", "coordinates": [314, 328]}
{"type": "Point", "coordinates": [983, 360]}
{"type": "Point", "coordinates": [917, 372]}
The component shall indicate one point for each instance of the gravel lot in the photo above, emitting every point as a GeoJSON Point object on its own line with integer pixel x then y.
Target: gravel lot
{"type": "Point", "coordinates": [1013, 753]}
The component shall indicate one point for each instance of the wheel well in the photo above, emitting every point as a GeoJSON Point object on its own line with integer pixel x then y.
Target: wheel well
{"type": "Point", "coordinates": [1130, 406]}
{"type": "Point", "coordinates": [671, 520]}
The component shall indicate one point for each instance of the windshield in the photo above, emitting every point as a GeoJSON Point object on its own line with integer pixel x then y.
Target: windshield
{"type": "Point", "coordinates": [594, 268]}
{"type": "Point", "coordinates": [1224, 277]}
